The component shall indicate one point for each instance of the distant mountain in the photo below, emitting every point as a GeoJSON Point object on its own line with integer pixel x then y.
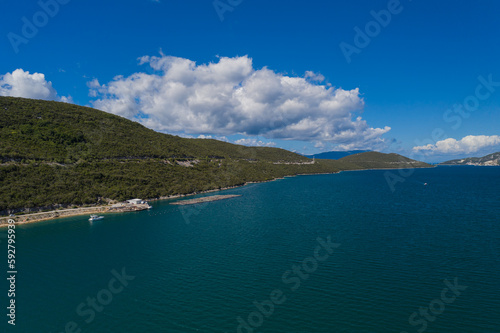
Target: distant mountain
{"type": "Point", "coordinates": [335, 155]}
{"type": "Point", "coordinates": [488, 160]}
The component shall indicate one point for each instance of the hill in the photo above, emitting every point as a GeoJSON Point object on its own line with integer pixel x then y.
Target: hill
{"type": "Point", "coordinates": [488, 160]}
{"type": "Point", "coordinates": [376, 160]}
{"type": "Point", "coordinates": [55, 154]}
{"type": "Point", "coordinates": [335, 155]}
{"type": "Point", "coordinates": [65, 133]}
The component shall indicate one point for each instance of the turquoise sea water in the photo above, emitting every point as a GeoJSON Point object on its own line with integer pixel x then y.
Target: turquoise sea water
{"type": "Point", "coordinates": [200, 268]}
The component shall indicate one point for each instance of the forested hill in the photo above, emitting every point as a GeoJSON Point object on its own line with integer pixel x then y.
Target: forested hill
{"type": "Point", "coordinates": [55, 154]}
{"type": "Point", "coordinates": [66, 133]}
{"type": "Point", "coordinates": [376, 160]}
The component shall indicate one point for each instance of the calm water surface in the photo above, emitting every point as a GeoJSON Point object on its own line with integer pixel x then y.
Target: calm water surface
{"type": "Point", "coordinates": [200, 268]}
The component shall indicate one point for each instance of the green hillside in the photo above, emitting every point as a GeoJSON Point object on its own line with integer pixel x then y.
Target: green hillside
{"type": "Point", "coordinates": [65, 133]}
{"type": "Point", "coordinates": [55, 154]}
{"type": "Point", "coordinates": [376, 160]}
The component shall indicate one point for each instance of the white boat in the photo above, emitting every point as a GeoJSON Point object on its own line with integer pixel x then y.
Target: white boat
{"type": "Point", "coordinates": [95, 218]}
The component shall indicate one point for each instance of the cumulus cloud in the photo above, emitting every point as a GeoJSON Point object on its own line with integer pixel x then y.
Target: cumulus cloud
{"type": "Point", "coordinates": [231, 97]}
{"type": "Point", "coordinates": [467, 145]}
{"type": "Point", "coordinates": [254, 142]}
{"type": "Point", "coordinates": [21, 83]}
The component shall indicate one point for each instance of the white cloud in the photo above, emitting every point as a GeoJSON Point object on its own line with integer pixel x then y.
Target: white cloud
{"type": "Point", "coordinates": [23, 84]}
{"type": "Point", "coordinates": [66, 99]}
{"type": "Point", "coordinates": [94, 86]}
{"type": "Point", "coordinates": [220, 138]}
{"type": "Point", "coordinates": [467, 145]}
{"type": "Point", "coordinates": [231, 97]}
{"type": "Point", "coordinates": [254, 142]}
{"type": "Point", "coordinates": [314, 76]}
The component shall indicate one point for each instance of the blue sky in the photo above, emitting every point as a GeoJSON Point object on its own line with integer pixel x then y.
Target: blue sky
{"type": "Point", "coordinates": [430, 56]}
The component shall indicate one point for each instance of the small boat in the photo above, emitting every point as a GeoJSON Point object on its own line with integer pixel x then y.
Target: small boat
{"type": "Point", "coordinates": [425, 184]}
{"type": "Point", "coordinates": [95, 218]}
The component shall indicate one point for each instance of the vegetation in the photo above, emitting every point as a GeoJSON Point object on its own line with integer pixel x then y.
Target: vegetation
{"type": "Point", "coordinates": [335, 155]}
{"type": "Point", "coordinates": [55, 154]}
{"type": "Point", "coordinates": [376, 160]}
{"type": "Point", "coordinates": [65, 133]}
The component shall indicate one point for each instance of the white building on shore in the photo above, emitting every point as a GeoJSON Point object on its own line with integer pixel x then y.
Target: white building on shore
{"type": "Point", "coordinates": [136, 202]}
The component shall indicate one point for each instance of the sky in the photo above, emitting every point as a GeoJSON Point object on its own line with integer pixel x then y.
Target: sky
{"type": "Point", "coordinates": [415, 77]}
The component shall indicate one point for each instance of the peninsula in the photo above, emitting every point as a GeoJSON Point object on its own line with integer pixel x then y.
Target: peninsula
{"type": "Point", "coordinates": [56, 155]}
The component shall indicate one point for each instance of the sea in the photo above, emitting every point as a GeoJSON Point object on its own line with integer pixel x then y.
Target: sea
{"type": "Point", "coordinates": [361, 251]}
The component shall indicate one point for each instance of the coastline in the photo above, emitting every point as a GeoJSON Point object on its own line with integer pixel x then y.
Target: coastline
{"type": "Point", "coordinates": [386, 169]}
{"type": "Point", "coordinates": [55, 214]}
{"type": "Point", "coordinates": [79, 211]}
